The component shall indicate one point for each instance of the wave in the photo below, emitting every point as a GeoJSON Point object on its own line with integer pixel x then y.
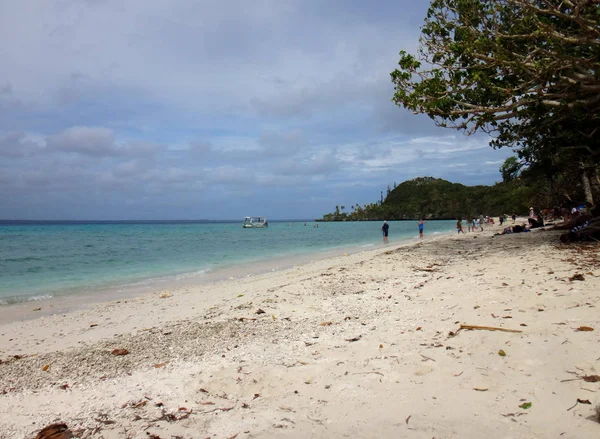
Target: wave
{"type": "Point", "coordinates": [23, 299]}
{"type": "Point", "coordinates": [24, 259]}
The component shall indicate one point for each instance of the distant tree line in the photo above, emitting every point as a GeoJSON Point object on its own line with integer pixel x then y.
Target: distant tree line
{"type": "Point", "coordinates": [434, 198]}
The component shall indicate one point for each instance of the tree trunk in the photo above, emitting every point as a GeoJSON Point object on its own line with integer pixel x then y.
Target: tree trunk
{"type": "Point", "coordinates": [587, 187]}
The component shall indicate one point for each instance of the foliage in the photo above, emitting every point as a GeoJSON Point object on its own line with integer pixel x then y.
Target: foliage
{"type": "Point", "coordinates": [433, 198]}
{"type": "Point", "coordinates": [525, 71]}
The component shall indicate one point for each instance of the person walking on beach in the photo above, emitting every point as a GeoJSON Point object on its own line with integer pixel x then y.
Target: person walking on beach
{"type": "Point", "coordinates": [459, 227]}
{"type": "Point", "coordinates": [384, 229]}
{"type": "Point", "coordinates": [421, 225]}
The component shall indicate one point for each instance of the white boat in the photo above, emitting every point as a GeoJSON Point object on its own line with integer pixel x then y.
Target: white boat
{"type": "Point", "coordinates": [255, 222]}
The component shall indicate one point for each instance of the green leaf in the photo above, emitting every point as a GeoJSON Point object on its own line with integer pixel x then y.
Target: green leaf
{"type": "Point", "coordinates": [525, 405]}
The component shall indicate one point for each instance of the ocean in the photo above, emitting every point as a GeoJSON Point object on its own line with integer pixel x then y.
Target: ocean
{"type": "Point", "coordinates": [40, 260]}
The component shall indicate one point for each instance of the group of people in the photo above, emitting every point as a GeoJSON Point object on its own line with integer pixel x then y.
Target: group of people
{"type": "Point", "coordinates": [472, 224]}
{"type": "Point", "coordinates": [385, 229]}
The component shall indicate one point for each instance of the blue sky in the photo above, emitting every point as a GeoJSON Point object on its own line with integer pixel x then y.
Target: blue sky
{"type": "Point", "coordinates": [172, 109]}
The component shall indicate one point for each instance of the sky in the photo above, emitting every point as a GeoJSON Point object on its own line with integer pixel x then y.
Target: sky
{"type": "Point", "coordinates": [173, 109]}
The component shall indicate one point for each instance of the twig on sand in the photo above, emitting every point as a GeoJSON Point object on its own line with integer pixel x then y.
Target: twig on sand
{"type": "Point", "coordinates": [364, 373]}
{"type": "Point", "coordinates": [487, 328]}
{"type": "Point", "coordinates": [426, 357]}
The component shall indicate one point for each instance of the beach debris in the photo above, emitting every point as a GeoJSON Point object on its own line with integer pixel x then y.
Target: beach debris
{"type": "Point", "coordinates": [181, 413]}
{"type": "Point", "coordinates": [407, 419]}
{"type": "Point", "coordinates": [477, 389]}
{"type": "Point", "coordinates": [598, 412]}
{"type": "Point", "coordinates": [46, 367]}
{"type": "Point", "coordinates": [256, 395]}
{"type": "Point", "coordinates": [259, 311]}
{"type": "Point", "coordinates": [502, 353]}
{"type": "Point", "coordinates": [36, 309]}
{"type": "Point", "coordinates": [511, 415]}
{"type": "Point", "coordinates": [93, 325]}
{"type": "Point", "coordinates": [487, 328]}
{"type": "Point", "coordinates": [55, 431]}
{"type": "Point", "coordinates": [119, 352]}
{"type": "Point", "coordinates": [426, 358]}
{"type": "Point", "coordinates": [577, 276]}
{"type": "Point", "coordinates": [525, 405]}
{"type": "Point", "coordinates": [165, 295]}
{"type": "Point", "coordinates": [580, 401]}
{"type": "Point", "coordinates": [380, 346]}
{"type": "Point", "coordinates": [584, 328]}
{"type": "Point", "coordinates": [353, 338]}
{"type": "Point", "coordinates": [591, 378]}
{"type": "Point", "coordinates": [159, 365]}
{"type": "Point", "coordinates": [206, 403]}
{"type": "Point", "coordinates": [366, 373]}
{"type": "Point", "coordinates": [326, 323]}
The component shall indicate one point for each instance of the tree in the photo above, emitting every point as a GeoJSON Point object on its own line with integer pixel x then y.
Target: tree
{"type": "Point", "coordinates": [510, 169]}
{"type": "Point", "coordinates": [525, 71]}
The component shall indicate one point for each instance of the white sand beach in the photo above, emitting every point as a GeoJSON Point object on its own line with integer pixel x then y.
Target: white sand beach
{"type": "Point", "coordinates": [365, 345]}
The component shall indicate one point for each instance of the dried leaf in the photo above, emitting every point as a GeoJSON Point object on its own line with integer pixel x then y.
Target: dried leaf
{"type": "Point", "coordinates": [418, 328]}
{"type": "Point", "coordinates": [480, 390]}
{"type": "Point", "coordinates": [502, 353]}
{"type": "Point", "coordinates": [326, 323]}
{"type": "Point", "coordinates": [55, 431]}
{"type": "Point", "coordinates": [583, 401]}
{"type": "Point", "coordinates": [525, 405]}
{"type": "Point", "coordinates": [159, 365]}
{"type": "Point", "coordinates": [584, 328]}
{"type": "Point", "coordinates": [46, 367]}
{"type": "Point", "coordinates": [120, 352]}
{"type": "Point", "coordinates": [591, 378]}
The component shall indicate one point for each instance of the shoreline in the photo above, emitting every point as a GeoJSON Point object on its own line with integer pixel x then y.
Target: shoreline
{"type": "Point", "coordinates": [337, 343]}
{"type": "Point", "coordinates": [84, 298]}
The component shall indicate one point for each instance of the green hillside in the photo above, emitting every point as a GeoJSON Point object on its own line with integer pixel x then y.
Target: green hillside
{"type": "Point", "coordinates": [434, 198]}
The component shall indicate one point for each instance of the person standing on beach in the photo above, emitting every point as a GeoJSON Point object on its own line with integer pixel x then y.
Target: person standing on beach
{"type": "Point", "coordinates": [384, 229]}
{"type": "Point", "coordinates": [421, 225]}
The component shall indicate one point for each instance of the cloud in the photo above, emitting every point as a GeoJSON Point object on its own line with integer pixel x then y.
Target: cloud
{"type": "Point", "coordinates": [162, 108]}
{"type": "Point", "coordinates": [14, 145]}
{"type": "Point", "coordinates": [93, 141]}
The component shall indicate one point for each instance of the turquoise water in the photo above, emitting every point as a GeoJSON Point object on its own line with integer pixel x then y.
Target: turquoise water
{"type": "Point", "coordinates": [40, 261]}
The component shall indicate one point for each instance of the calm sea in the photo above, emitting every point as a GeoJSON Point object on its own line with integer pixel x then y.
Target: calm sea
{"type": "Point", "coordinates": [43, 260]}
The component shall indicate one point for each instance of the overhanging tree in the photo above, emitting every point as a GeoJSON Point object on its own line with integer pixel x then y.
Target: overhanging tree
{"type": "Point", "coordinates": [525, 71]}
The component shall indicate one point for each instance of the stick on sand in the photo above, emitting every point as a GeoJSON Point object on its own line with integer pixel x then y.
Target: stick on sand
{"type": "Point", "coordinates": [488, 328]}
